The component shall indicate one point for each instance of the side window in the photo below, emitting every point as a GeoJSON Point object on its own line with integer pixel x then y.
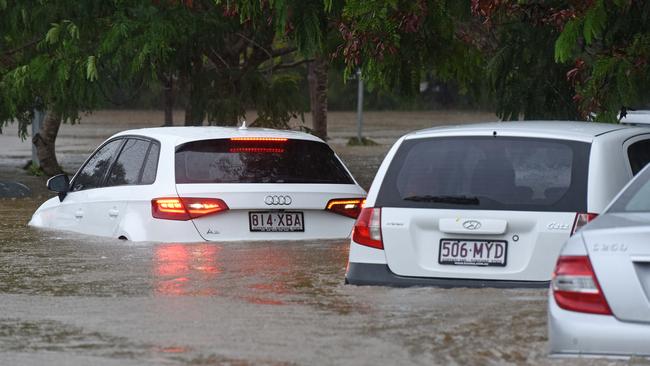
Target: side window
{"type": "Point", "coordinates": [151, 165]}
{"type": "Point", "coordinates": [639, 155]}
{"type": "Point", "coordinates": [92, 174]}
{"type": "Point", "coordinates": [127, 168]}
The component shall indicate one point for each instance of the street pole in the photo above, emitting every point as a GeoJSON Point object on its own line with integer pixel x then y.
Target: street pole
{"type": "Point", "coordinates": [37, 122]}
{"type": "Point", "coordinates": [359, 107]}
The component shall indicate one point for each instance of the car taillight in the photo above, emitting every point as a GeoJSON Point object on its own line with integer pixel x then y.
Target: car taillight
{"type": "Point", "coordinates": [576, 288]}
{"type": "Point", "coordinates": [185, 208]}
{"type": "Point", "coordinates": [367, 229]}
{"type": "Point", "coordinates": [350, 207]}
{"type": "Point", "coordinates": [581, 220]}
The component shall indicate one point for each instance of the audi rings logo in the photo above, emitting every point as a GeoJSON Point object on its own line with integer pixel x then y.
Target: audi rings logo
{"type": "Point", "coordinates": [472, 225]}
{"type": "Point", "coordinates": [277, 200]}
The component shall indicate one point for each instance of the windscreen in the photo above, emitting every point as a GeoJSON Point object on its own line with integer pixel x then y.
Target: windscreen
{"type": "Point", "coordinates": [264, 160]}
{"type": "Point", "coordinates": [636, 197]}
{"type": "Point", "coordinates": [485, 172]}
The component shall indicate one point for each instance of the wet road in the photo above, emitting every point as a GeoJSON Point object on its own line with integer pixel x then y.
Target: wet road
{"type": "Point", "coordinates": [69, 299]}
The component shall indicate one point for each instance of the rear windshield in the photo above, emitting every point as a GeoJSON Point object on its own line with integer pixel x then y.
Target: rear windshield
{"type": "Point", "coordinates": [258, 161]}
{"type": "Point", "coordinates": [488, 173]}
{"type": "Point", "coordinates": [636, 198]}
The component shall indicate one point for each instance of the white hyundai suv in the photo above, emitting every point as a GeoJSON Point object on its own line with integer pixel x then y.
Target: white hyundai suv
{"type": "Point", "coordinates": [488, 204]}
{"type": "Point", "coordinates": [185, 184]}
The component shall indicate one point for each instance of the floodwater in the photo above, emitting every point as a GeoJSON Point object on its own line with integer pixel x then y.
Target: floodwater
{"type": "Point", "coordinates": [68, 299]}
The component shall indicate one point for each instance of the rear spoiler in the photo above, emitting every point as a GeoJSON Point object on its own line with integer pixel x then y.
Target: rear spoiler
{"type": "Point", "coordinates": [636, 118]}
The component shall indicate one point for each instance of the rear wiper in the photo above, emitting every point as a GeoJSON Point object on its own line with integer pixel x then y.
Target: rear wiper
{"type": "Point", "coordinates": [460, 200]}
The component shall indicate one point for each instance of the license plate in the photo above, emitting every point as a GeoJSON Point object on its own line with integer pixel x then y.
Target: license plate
{"type": "Point", "coordinates": [282, 221]}
{"type": "Point", "coordinates": [473, 252]}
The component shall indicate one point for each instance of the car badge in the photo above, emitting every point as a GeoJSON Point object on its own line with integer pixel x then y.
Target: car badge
{"type": "Point", "coordinates": [472, 225]}
{"type": "Point", "coordinates": [272, 200]}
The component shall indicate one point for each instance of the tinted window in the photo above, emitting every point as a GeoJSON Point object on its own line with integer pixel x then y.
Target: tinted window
{"type": "Point", "coordinates": [151, 165]}
{"type": "Point", "coordinates": [639, 155]}
{"type": "Point", "coordinates": [128, 166]}
{"type": "Point", "coordinates": [93, 173]}
{"type": "Point", "coordinates": [226, 161]}
{"type": "Point", "coordinates": [636, 198]}
{"type": "Point", "coordinates": [492, 173]}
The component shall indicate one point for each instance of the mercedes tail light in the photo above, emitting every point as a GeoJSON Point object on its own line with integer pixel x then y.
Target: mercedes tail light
{"type": "Point", "coordinates": [350, 207]}
{"type": "Point", "coordinates": [367, 229]}
{"type": "Point", "coordinates": [185, 208]}
{"type": "Point", "coordinates": [576, 288]}
{"type": "Point", "coordinates": [581, 220]}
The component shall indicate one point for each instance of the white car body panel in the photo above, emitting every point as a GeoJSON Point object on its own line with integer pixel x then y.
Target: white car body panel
{"type": "Point", "coordinates": [126, 212]}
{"type": "Point", "coordinates": [243, 198]}
{"type": "Point", "coordinates": [412, 237]}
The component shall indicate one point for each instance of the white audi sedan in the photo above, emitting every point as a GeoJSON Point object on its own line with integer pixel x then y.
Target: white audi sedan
{"type": "Point", "coordinates": [488, 204]}
{"type": "Point", "coordinates": [599, 303]}
{"type": "Point", "coordinates": [187, 184]}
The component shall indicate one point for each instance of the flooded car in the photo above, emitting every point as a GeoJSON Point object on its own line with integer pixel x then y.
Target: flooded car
{"type": "Point", "coordinates": [488, 204]}
{"type": "Point", "coordinates": [599, 302]}
{"type": "Point", "coordinates": [188, 184]}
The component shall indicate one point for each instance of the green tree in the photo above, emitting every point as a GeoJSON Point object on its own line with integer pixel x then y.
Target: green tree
{"type": "Point", "coordinates": [398, 42]}
{"type": "Point", "coordinates": [67, 56]}
{"type": "Point", "coordinates": [517, 39]}
{"type": "Point", "coordinates": [607, 44]}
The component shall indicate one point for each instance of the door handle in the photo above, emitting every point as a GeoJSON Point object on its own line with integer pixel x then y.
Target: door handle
{"type": "Point", "coordinates": [79, 213]}
{"type": "Point", "coordinates": [113, 212]}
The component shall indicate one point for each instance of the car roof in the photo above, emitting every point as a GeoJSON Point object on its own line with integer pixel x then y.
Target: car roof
{"type": "Point", "coordinates": [568, 130]}
{"type": "Point", "coordinates": [179, 135]}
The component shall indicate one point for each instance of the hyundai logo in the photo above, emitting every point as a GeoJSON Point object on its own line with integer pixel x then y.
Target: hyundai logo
{"type": "Point", "coordinates": [472, 225]}
{"type": "Point", "coordinates": [277, 200]}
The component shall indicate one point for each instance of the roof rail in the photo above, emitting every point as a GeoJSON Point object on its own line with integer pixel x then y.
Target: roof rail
{"type": "Point", "coordinates": [638, 118]}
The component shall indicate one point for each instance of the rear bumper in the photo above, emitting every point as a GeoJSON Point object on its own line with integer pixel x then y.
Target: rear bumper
{"type": "Point", "coordinates": [371, 274]}
{"type": "Point", "coordinates": [572, 333]}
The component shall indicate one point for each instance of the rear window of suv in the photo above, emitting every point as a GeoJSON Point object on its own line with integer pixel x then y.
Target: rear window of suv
{"type": "Point", "coordinates": [488, 173]}
{"type": "Point", "coordinates": [258, 161]}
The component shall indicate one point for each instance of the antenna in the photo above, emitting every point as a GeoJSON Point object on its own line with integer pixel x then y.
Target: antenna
{"type": "Point", "coordinates": [243, 125]}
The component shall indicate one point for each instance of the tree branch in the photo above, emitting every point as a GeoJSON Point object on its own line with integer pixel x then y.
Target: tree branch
{"type": "Point", "coordinates": [287, 66]}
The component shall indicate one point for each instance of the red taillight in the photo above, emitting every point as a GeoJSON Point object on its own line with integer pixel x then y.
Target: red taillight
{"type": "Point", "coordinates": [260, 139]}
{"type": "Point", "coordinates": [576, 288]}
{"type": "Point", "coordinates": [581, 220]}
{"type": "Point", "coordinates": [185, 208]}
{"type": "Point", "coordinates": [367, 229]}
{"type": "Point", "coordinates": [350, 207]}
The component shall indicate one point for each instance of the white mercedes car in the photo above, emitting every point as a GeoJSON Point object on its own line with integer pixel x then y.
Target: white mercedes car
{"type": "Point", "coordinates": [187, 184]}
{"type": "Point", "coordinates": [599, 303]}
{"type": "Point", "coordinates": [488, 204]}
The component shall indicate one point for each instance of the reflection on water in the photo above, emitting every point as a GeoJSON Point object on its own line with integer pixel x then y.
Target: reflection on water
{"type": "Point", "coordinates": [198, 269]}
{"type": "Point", "coordinates": [186, 269]}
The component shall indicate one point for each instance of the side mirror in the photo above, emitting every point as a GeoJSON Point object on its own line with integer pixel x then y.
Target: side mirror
{"type": "Point", "coordinates": [60, 184]}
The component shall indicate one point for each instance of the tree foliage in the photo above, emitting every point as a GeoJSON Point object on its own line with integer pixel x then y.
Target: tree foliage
{"type": "Point", "coordinates": [66, 56]}
{"type": "Point", "coordinates": [397, 42]}
{"type": "Point", "coordinates": [607, 43]}
{"type": "Point", "coordinates": [517, 39]}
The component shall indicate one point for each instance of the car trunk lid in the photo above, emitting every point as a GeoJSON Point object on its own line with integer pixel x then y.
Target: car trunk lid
{"type": "Point", "coordinates": [473, 243]}
{"type": "Point", "coordinates": [621, 260]}
{"type": "Point", "coordinates": [256, 211]}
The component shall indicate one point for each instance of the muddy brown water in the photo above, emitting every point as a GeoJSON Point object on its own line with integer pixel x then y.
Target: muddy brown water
{"type": "Point", "coordinates": [68, 299]}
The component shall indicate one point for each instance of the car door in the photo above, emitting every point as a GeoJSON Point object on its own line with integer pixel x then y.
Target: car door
{"type": "Point", "coordinates": [107, 205]}
{"type": "Point", "coordinates": [77, 211]}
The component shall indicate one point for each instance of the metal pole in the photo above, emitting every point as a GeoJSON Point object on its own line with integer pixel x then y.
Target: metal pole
{"type": "Point", "coordinates": [37, 122]}
{"type": "Point", "coordinates": [359, 107]}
